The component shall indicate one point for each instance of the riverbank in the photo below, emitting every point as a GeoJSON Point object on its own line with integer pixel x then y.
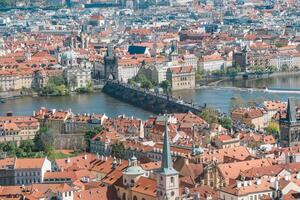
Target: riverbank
{"type": "Point", "coordinates": [253, 78]}
{"type": "Point", "coordinates": [7, 95]}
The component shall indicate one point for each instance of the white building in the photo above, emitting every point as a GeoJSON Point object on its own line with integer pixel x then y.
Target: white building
{"type": "Point", "coordinates": [191, 60]}
{"type": "Point", "coordinates": [30, 170]}
{"type": "Point", "coordinates": [127, 69]}
{"type": "Point", "coordinates": [211, 63]}
{"type": "Point", "coordinates": [244, 190]}
{"type": "Point", "coordinates": [78, 75]}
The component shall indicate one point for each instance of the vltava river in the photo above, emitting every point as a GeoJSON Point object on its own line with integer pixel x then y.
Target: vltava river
{"type": "Point", "coordinates": [219, 98]}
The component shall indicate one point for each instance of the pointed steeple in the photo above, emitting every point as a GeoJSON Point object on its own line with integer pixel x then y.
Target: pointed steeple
{"type": "Point", "coordinates": [291, 110]}
{"type": "Point", "coordinates": [166, 157]}
{"type": "Point", "coordinates": [166, 165]}
{"type": "Point", "coordinates": [194, 146]}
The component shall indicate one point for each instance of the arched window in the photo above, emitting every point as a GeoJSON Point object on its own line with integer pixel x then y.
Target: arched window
{"type": "Point", "coordinates": [124, 196]}
{"type": "Point", "coordinates": [172, 182]}
{"type": "Point", "coordinates": [134, 198]}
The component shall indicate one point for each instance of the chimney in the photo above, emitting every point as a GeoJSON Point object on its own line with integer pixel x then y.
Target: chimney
{"type": "Point", "coordinates": [105, 158]}
{"type": "Point", "coordinates": [272, 180]}
{"type": "Point", "coordinates": [85, 156]}
{"type": "Point", "coordinates": [245, 183]}
{"type": "Point", "coordinates": [298, 175]}
{"type": "Point", "coordinates": [114, 163]}
{"type": "Point", "coordinates": [209, 197]}
{"type": "Point", "coordinates": [258, 181]}
{"type": "Point", "coordinates": [287, 177]}
{"type": "Point", "coordinates": [68, 160]}
{"type": "Point", "coordinates": [238, 184]}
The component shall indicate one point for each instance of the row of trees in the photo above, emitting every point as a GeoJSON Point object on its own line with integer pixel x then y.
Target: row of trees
{"type": "Point", "coordinates": [58, 86]}
{"type": "Point", "coordinates": [231, 72]}
{"type": "Point", "coordinates": [41, 145]}
{"type": "Point", "coordinates": [144, 82]}
{"type": "Point", "coordinates": [259, 69]}
{"type": "Point", "coordinates": [211, 115]}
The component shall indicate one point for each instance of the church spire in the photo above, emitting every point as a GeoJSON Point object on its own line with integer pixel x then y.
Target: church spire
{"type": "Point", "coordinates": [167, 184]}
{"type": "Point", "coordinates": [166, 157]}
{"type": "Point", "coordinates": [166, 165]}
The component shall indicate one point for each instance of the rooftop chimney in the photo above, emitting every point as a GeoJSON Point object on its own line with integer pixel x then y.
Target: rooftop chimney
{"type": "Point", "coordinates": [258, 182]}
{"type": "Point", "coordinates": [238, 184]}
{"type": "Point", "coordinates": [298, 175]}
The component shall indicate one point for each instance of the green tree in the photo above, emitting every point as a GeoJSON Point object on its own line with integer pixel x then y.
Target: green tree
{"type": "Point", "coordinates": [226, 122]}
{"type": "Point", "coordinates": [273, 129]}
{"type": "Point", "coordinates": [44, 140]}
{"type": "Point", "coordinates": [146, 84]}
{"type": "Point", "coordinates": [271, 68]}
{"type": "Point", "coordinates": [118, 150]}
{"type": "Point", "coordinates": [199, 75]}
{"type": "Point", "coordinates": [57, 80]}
{"type": "Point", "coordinates": [10, 148]}
{"type": "Point", "coordinates": [90, 134]}
{"type": "Point", "coordinates": [210, 115]}
{"type": "Point", "coordinates": [284, 68]}
{"type": "Point", "coordinates": [220, 72]}
{"type": "Point", "coordinates": [166, 85]}
{"type": "Point", "coordinates": [27, 146]}
{"type": "Point", "coordinates": [232, 72]}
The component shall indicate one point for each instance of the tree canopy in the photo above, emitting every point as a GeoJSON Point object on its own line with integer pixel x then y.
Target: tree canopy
{"type": "Point", "coordinates": [118, 150]}
{"type": "Point", "coordinates": [210, 115]}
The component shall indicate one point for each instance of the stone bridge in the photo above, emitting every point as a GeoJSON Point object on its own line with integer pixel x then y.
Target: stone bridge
{"type": "Point", "coordinates": [148, 100]}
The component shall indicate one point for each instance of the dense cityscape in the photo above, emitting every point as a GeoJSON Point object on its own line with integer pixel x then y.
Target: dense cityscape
{"type": "Point", "coordinates": [149, 99]}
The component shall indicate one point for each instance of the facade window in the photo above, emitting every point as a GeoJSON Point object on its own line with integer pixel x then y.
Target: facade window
{"type": "Point", "coordinates": [134, 198]}
{"type": "Point", "coordinates": [172, 182]}
{"type": "Point", "coordinates": [172, 193]}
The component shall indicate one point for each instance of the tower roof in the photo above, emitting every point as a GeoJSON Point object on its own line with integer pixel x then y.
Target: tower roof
{"type": "Point", "coordinates": [291, 110]}
{"type": "Point", "coordinates": [166, 165]}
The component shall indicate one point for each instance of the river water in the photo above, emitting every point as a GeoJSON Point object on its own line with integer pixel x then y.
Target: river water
{"type": "Point", "coordinates": [219, 98]}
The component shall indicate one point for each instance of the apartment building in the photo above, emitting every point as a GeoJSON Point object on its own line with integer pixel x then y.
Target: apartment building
{"type": "Point", "coordinates": [23, 171]}
{"type": "Point", "coordinates": [17, 128]}
{"type": "Point", "coordinates": [181, 77]}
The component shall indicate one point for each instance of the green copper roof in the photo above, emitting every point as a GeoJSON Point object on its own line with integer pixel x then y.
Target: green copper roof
{"type": "Point", "coordinates": [134, 170]}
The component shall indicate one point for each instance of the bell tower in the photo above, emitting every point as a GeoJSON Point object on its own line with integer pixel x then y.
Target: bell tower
{"type": "Point", "coordinates": [167, 183]}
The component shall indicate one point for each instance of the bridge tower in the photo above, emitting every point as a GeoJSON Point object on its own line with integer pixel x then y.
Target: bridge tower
{"type": "Point", "coordinates": [111, 64]}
